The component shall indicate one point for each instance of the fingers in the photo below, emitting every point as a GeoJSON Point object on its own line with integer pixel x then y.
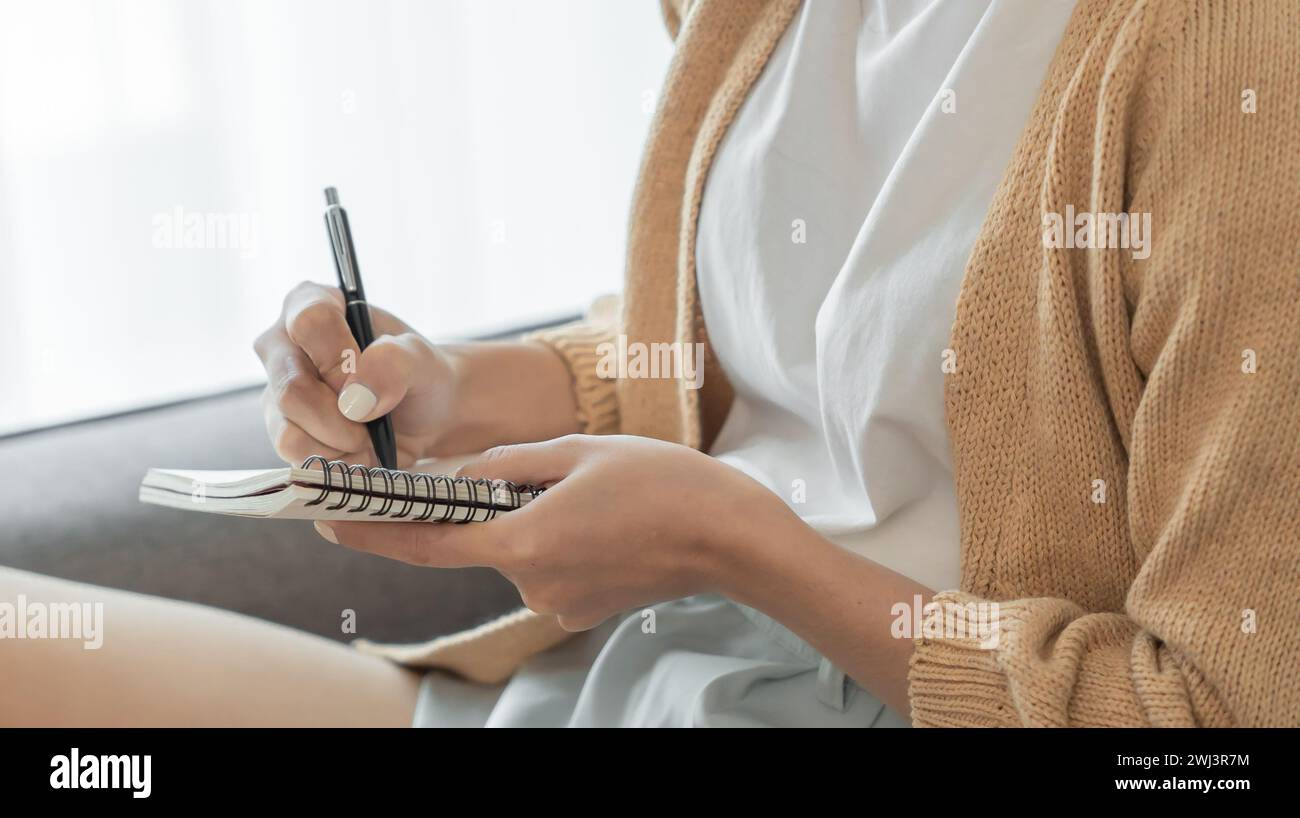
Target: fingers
{"type": "Point", "coordinates": [304, 354]}
{"type": "Point", "coordinates": [293, 445]}
{"type": "Point", "coordinates": [314, 321]}
{"type": "Point", "coordinates": [576, 623]}
{"type": "Point", "coordinates": [538, 464]}
{"type": "Point", "coordinates": [384, 374]}
{"type": "Point", "coordinates": [301, 414]}
{"type": "Point", "coordinates": [443, 545]}
{"type": "Point", "coordinates": [386, 323]}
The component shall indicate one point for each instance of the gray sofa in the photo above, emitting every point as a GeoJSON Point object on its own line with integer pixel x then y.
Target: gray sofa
{"type": "Point", "coordinates": [277, 570]}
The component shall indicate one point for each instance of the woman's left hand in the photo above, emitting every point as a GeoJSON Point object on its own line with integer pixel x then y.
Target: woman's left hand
{"type": "Point", "coordinates": [625, 522]}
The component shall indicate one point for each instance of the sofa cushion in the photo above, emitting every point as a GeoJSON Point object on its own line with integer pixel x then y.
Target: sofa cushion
{"type": "Point", "coordinates": [279, 570]}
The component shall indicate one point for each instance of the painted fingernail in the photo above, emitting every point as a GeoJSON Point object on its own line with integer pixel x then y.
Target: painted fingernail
{"type": "Point", "coordinates": [356, 401]}
{"type": "Point", "coordinates": [326, 532]}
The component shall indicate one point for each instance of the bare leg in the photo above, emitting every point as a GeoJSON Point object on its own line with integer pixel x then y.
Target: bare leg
{"type": "Point", "coordinates": [170, 663]}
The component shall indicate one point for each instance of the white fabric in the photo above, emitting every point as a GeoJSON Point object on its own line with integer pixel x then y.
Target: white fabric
{"type": "Point", "coordinates": [833, 345]}
{"type": "Point", "coordinates": [705, 664]}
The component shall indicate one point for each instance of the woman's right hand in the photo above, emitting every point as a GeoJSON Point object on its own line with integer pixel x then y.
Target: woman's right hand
{"type": "Point", "coordinates": [447, 399]}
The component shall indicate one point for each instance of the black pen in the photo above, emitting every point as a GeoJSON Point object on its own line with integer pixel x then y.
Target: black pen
{"type": "Point", "coordinates": [357, 312]}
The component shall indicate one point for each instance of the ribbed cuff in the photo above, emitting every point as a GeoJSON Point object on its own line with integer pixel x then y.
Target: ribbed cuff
{"type": "Point", "coordinates": [488, 654]}
{"type": "Point", "coordinates": [577, 345]}
{"type": "Point", "coordinates": [955, 679]}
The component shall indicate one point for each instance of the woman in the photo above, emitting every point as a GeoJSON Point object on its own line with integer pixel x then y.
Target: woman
{"type": "Point", "coordinates": [924, 370]}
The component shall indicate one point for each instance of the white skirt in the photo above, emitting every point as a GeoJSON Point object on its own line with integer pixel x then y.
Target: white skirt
{"type": "Point", "coordinates": [697, 662]}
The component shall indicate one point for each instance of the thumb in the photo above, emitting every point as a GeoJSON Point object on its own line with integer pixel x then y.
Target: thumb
{"type": "Point", "coordinates": [538, 464]}
{"type": "Point", "coordinates": [383, 376]}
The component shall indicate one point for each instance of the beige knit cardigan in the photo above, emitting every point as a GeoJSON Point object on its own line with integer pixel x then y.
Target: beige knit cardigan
{"type": "Point", "coordinates": [1125, 432]}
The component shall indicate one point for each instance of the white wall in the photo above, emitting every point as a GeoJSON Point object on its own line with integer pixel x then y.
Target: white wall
{"type": "Point", "coordinates": [485, 150]}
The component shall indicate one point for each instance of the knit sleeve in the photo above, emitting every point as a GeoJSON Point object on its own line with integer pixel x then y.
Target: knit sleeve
{"type": "Point", "coordinates": [582, 345]}
{"type": "Point", "coordinates": [1208, 634]}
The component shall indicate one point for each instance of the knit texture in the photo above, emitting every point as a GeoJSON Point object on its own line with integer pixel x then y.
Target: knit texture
{"type": "Point", "coordinates": [1125, 431]}
{"type": "Point", "coordinates": [1174, 601]}
{"type": "Point", "coordinates": [581, 345]}
{"type": "Point", "coordinates": [487, 654]}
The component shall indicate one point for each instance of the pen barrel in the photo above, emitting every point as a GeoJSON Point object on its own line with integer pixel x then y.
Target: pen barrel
{"type": "Point", "coordinates": [357, 314]}
{"type": "Point", "coordinates": [380, 429]}
{"type": "Point", "coordinates": [345, 252]}
{"type": "Point", "coordinates": [384, 441]}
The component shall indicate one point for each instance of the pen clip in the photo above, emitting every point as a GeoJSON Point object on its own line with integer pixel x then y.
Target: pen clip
{"type": "Point", "coordinates": [336, 222]}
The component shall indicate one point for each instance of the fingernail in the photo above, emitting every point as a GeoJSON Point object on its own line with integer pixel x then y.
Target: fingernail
{"type": "Point", "coordinates": [326, 532]}
{"type": "Point", "coordinates": [356, 401]}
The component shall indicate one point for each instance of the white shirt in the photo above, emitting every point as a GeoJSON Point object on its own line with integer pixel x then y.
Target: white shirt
{"type": "Point", "coordinates": [834, 231]}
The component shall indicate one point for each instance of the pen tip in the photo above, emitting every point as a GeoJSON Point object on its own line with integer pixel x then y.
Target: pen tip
{"type": "Point", "coordinates": [331, 196]}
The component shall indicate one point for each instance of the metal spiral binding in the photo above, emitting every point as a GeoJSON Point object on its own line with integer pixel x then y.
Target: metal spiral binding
{"type": "Point", "coordinates": [389, 495]}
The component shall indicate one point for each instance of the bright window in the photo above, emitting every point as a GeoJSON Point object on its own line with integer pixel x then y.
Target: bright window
{"type": "Point", "coordinates": [162, 166]}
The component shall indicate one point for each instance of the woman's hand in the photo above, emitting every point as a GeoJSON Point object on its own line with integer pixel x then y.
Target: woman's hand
{"type": "Point", "coordinates": [625, 522]}
{"type": "Point", "coordinates": [629, 521]}
{"type": "Point", "coordinates": [444, 399]}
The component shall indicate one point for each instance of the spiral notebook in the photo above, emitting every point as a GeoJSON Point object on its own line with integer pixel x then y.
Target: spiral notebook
{"type": "Point", "coordinates": [323, 489]}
